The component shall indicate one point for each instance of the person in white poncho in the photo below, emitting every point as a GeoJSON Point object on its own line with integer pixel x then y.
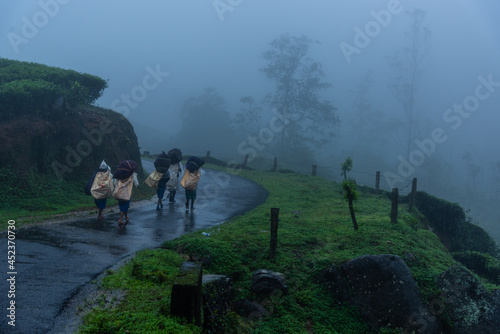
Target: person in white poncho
{"type": "Point", "coordinates": [102, 186]}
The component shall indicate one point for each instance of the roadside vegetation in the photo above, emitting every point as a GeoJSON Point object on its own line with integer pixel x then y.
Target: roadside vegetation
{"type": "Point", "coordinates": [41, 197]}
{"type": "Point", "coordinates": [315, 231]}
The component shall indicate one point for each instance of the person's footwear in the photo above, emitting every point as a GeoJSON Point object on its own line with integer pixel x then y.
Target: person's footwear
{"type": "Point", "coordinates": [157, 207]}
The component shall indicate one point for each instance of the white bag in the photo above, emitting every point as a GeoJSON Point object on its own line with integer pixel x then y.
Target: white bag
{"type": "Point", "coordinates": [153, 179]}
{"type": "Point", "coordinates": [102, 187]}
{"type": "Point", "coordinates": [123, 189]}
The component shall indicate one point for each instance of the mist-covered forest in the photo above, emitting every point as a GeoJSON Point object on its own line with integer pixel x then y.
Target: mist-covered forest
{"type": "Point", "coordinates": [407, 88]}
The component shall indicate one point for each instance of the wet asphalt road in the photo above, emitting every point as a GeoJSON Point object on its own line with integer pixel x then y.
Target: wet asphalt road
{"type": "Point", "coordinates": [54, 262]}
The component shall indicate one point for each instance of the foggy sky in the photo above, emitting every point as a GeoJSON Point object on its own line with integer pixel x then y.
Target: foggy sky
{"type": "Point", "coordinates": [125, 41]}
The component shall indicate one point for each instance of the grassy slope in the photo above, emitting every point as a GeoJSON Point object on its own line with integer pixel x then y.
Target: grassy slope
{"type": "Point", "coordinates": [45, 196]}
{"type": "Point", "coordinates": [310, 241]}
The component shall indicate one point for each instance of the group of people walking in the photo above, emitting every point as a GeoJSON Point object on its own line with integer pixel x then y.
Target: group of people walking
{"type": "Point", "coordinates": [104, 184]}
{"type": "Point", "coordinates": [168, 169]}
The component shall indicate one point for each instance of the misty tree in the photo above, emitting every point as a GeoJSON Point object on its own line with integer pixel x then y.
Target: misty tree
{"type": "Point", "coordinates": [368, 124]}
{"type": "Point", "coordinates": [203, 120]}
{"type": "Point", "coordinates": [473, 170]}
{"type": "Point", "coordinates": [250, 117]}
{"type": "Point", "coordinates": [306, 119]}
{"type": "Point", "coordinates": [495, 186]}
{"type": "Point", "coordinates": [362, 107]}
{"type": "Point", "coordinates": [408, 69]}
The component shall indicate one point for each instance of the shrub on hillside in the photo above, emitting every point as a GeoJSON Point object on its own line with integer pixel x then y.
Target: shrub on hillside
{"type": "Point", "coordinates": [480, 263]}
{"type": "Point", "coordinates": [452, 225]}
{"type": "Point", "coordinates": [27, 88]}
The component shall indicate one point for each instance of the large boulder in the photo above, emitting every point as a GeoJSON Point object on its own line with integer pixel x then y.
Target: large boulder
{"type": "Point", "coordinates": [71, 146]}
{"type": "Point", "coordinates": [384, 291]}
{"type": "Point", "coordinates": [471, 309]}
{"type": "Point", "coordinates": [267, 282]}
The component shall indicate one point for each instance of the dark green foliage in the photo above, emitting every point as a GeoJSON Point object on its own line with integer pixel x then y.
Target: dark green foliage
{"type": "Point", "coordinates": [27, 88]}
{"type": "Point", "coordinates": [212, 253]}
{"type": "Point", "coordinates": [451, 224]}
{"type": "Point", "coordinates": [480, 263]}
{"type": "Point", "coordinates": [37, 192]}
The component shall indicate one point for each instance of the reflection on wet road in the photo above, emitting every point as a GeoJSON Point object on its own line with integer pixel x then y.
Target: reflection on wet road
{"type": "Point", "coordinates": [54, 261]}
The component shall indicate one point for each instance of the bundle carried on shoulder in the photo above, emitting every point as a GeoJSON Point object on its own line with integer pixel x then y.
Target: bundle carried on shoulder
{"type": "Point", "coordinates": [125, 169]}
{"type": "Point", "coordinates": [190, 180]}
{"type": "Point", "coordinates": [153, 179]}
{"type": "Point", "coordinates": [175, 155]}
{"type": "Point", "coordinates": [194, 163]}
{"type": "Point", "coordinates": [102, 187]}
{"type": "Point", "coordinates": [162, 163]}
{"type": "Point", "coordinates": [123, 189]}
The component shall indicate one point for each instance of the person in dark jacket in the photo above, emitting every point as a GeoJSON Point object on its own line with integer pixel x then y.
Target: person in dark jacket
{"type": "Point", "coordinates": [162, 164]}
{"type": "Point", "coordinates": [160, 191]}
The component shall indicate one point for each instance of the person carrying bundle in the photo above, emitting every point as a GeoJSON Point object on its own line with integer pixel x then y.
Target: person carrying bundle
{"type": "Point", "coordinates": [125, 178]}
{"type": "Point", "coordinates": [102, 187]}
{"type": "Point", "coordinates": [191, 178]}
{"type": "Point", "coordinates": [175, 156]}
{"type": "Point", "coordinates": [162, 164]}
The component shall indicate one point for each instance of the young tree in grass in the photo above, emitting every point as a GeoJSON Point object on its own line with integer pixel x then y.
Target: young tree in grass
{"type": "Point", "coordinates": [306, 119]}
{"type": "Point", "coordinates": [351, 195]}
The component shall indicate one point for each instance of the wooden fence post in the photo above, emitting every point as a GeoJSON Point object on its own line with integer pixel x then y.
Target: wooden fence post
{"type": "Point", "coordinates": [208, 157]}
{"type": "Point", "coordinates": [394, 206]}
{"type": "Point", "coordinates": [275, 212]}
{"type": "Point", "coordinates": [275, 164]}
{"type": "Point", "coordinates": [314, 169]}
{"type": "Point", "coordinates": [186, 293]}
{"type": "Point", "coordinates": [413, 194]}
{"type": "Point", "coordinates": [377, 181]}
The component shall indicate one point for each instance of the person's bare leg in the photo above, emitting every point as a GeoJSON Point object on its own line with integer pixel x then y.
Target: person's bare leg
{"type": "Point", "coordinates": [120, 221]}
{"type": "Point", "coordinates": [99, 215]}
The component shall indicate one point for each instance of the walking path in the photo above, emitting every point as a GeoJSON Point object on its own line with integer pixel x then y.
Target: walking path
{"type": "Point", "coordinates": [54, 262]}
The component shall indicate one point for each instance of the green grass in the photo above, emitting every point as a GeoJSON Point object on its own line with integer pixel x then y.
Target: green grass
{"type": "Point", "coordinates": [146, 305]}
{"type": "Point", "coordinates": [315, 231]}
{"type": "Point", "coordinates": [40, 198]}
